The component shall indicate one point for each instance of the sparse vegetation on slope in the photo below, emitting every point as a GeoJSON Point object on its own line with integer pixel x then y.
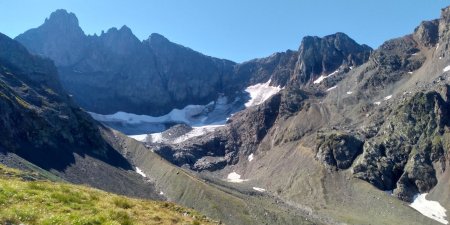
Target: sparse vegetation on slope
{"type": "Point", "coordinates": [27, 198]}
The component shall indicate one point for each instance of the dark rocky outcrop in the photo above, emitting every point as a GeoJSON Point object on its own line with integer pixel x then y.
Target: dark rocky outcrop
{"type": "Point", "coordinates": [337, 150]}
{"type": "Point", "coordinates": [401, 155]}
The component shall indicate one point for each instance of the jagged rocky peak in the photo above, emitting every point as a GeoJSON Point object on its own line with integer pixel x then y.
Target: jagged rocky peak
{"type": "Point", "coordinates": [121, 41]}
{"type": "Point", "coordinates": [62, 18]}
{"type": "Point", "coordinates": [325, 55]}
{"type": "Point", "coordinates": [427, 33]}
{"type": "Point", "coordinates": [60, 38]}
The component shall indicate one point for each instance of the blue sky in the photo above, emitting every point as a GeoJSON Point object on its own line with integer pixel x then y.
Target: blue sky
{"type": "Point", "coordinates": [238, 30]}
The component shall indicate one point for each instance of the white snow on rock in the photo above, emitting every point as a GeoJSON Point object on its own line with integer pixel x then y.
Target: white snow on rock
{"type": "Point", "coordinates": [323, 77]}
{"type": "Point", "coordinates": [349, 92]}
{"type": "Point", "coordinates": [260, 93]}
{"type": "Point", "coordinates": [185, 115]}
{"type": "Point", "coordinates": [377, 103]}
{"type": "Point", "coordinates": [161, 193]}
{"type": "Point", "coordinates": [235, 178]}
{"type": "Point", "coordinates": [250, 157]}
{"type": "Point", "coordinates": [410, 72]}
{"type": "Point", "coordinates": [139, 137]}
{"type": "Point", "coordinates": [431, 209]}
{"type": "Point", "coordinates": [139, 171]}
{"type": "Point", "coordinates": [195, 132]}
{"type": "Point", "coordinates": [202, 118]}
{"type": "Point", "coordinates": [331, 88]}
{"type": "Point", "coordinates": [259, 189]}
{"type": "Point", "coordinates": [388, 97]}
{"type": "Point", "coordinates": [447, 68]}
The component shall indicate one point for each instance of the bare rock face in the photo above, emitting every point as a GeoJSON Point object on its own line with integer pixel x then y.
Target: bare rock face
{"type": "Point", "coordinates": [325, 55]}
{"type": "Point", "coordinates": [400, 156]}
{"type": "Point", "coordinates": [427, 33]}
{"type": "Point", "coordinates": [337, 150]}
{"type": "Point", "coordinates": [65, 47]}
{"type": "Point", "coordinates": [116, 71]}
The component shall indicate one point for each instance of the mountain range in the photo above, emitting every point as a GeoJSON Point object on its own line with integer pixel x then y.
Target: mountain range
{"type": "Point", "coordinates": [332, 133]}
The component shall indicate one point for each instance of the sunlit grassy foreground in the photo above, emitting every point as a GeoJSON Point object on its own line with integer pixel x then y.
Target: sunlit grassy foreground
{"type": "Point", "coordinates": [27, 199]}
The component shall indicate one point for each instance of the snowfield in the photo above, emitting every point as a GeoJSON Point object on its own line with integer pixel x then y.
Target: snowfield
{"type": "Point", "coordinates": [202, 118]}
{"type": "Point", "coordinates": [250, 157]}
{"type": "Point", "coordinates": [139, 137]}
{"type": "Point", "coordinates": [139, 171]}
{"type": "Point", "coordinates": [323, 77]}
{"type": "Point", "coordinates": [235, 178]}
{"type": "Point", "coordinates": [447, 68]}
{"type": "Point", "coordinates": [259, 189]}
{"type": "Point", "coordinates": [260, 93]}
{"type": "Point", "coordinates": [331, 88]}
{"type": "Point", "coordinates": [431, 209]}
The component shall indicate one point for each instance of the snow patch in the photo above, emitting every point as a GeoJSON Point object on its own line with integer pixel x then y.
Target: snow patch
{"type": "Point", "coordinates": [447, 68]}
{"type": "Point", "coordinates": [387, 97]}
{"type": "Point", "coordinates": [323, 77]}
{"type": "Point", "coordinates": [195, 132]}
{"type": "Point", "coordinates": [260, 93]}
{"type": "Point", "coordinates": [377, 103]}
{"type": "Point", "coordinates": [430, 209]}
{"type": "Point", "coordinates": [235, 178]}
{"type": "Point", "coordinates": [161, 193]}
{"type": "Point", "coordinates": [349, 92]}
{"type": "Point", "coordinates": [259, 189]}
{"type": "Point", "coordinates": [139, 137]}
{"type": "Point", "coordinates": [410, 72]}
{"type": "Point", "coordinates": [331, 88]}
{"type": "Point", "coordinates": [250, 157]}
{"type": "Point", "coordinates": [139, 171]}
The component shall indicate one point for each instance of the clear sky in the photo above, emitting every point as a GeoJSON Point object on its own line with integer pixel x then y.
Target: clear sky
{"type": "Point", "coordinates": [238, 30]}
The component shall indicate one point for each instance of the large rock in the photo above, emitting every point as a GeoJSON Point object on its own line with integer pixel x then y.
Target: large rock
{"type": "Point", "coordinates": [337, 150]}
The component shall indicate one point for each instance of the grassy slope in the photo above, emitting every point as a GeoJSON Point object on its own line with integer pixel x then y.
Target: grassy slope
{"type": "Point", "coordinates": [31, 199]}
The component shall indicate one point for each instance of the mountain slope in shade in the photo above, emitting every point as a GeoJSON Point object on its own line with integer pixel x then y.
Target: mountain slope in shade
{"type": "Point", "coordinates": [116, 71]}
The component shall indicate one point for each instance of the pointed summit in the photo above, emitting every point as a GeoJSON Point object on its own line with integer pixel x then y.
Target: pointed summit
{"type": "Point", "coordinates": [64, 36]}
{"type": "Point", "coordinates": [61, 17]}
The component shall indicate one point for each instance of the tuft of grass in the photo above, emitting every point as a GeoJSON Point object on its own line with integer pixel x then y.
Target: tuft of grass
{"type": "Point", "coordinates": [26, 198]}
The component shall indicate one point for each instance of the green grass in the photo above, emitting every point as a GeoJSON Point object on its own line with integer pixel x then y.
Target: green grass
{"type": "Point", "coordinates": [44, 202]}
